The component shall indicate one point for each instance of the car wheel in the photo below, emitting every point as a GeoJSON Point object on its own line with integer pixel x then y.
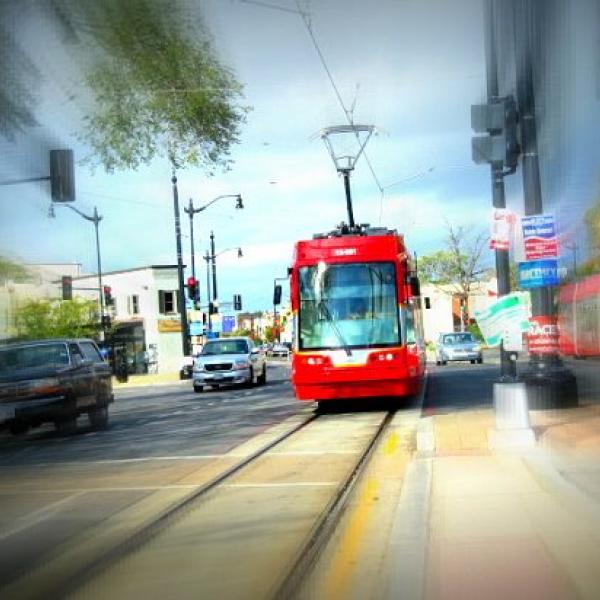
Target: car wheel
{"type": "Point", "coordinates": [479, 361]}
{"type": "Point", "coordinates": [250, 382]}
{"type": "Point", "coordinates": [99, 417]}
{"type": "Point", "coordinates": [444, 362]}
{"type": "Point", "coordinates": [18, 427]}
{"type": "Point", "coordinates": [262, 378]}
{"type": "Point", "coordinates": [438, 363]}
{"type": "Point", "coordinates": [473, 362]}
{"type": "Point", "coordinates": [198, 389]}
{"type": "Point", "coordinates": [66, 426]}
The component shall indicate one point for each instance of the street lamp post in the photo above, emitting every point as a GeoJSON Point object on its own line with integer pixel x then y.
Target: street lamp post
{"type": "Point", "coordinates": [185, 340]}
{"type": "Point", "coordinates": [95, 219]}
{"type": "Point", "coordinates": [191, 211]}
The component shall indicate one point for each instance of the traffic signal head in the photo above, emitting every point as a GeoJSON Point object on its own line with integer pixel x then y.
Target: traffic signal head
{"type": "Point", "coordinates": [108, 299]}
{"type": "Point", "coordinates": [192, 286]}
{"type": "Point", "coordinates": [277, 295]}
{"type": "Point", "coordinates": [499, 119]}
{"type": "Point", "coordinates": [62, 178]}
{"type": "Point", "coordinates": [237, 302]}
{"type": "Point", "coordinates": [67, 287]}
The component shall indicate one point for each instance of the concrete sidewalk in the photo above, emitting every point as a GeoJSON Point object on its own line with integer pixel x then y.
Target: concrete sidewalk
{"type": "Point", "coordinates": [149, 379]}
{"type": "Point", "coordinates": [500, 524]}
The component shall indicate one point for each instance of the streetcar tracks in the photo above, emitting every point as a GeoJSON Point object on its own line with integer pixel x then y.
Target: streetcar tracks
{"type": "Point", "coordinates": [96, 562]}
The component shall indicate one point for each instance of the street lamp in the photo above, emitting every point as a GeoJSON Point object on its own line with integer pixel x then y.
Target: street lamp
{"type": "Point", "coordinates": [210, 259]}
{"type": "Point", "coordinates": [345, 144]}
{"type": "Point", "coordinates": [191, 211]}
{"type": "Point", "coordinates": [95, 219]}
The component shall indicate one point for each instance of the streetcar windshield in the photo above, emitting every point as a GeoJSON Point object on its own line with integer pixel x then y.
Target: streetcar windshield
{"type": "Point", "coordinates": [348, 306]}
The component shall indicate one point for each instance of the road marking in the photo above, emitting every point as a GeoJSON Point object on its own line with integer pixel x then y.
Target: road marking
{"type": "Point", "coordinates": [279, 484]}
{"type": "Point", "coordinates": [40, 515]}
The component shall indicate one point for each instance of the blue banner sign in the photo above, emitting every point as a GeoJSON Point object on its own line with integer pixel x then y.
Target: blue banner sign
{"type": "Point", "coordinates": [212, 335]}
{"type": "Point", "coordinates": [538, 273]}
{"type": "Point", "coordinates": [228, 324]}
{"type": "Point", "coordinates": [196, 328]}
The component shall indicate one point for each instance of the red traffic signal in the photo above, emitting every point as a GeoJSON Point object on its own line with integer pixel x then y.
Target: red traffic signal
{"type": "Point", "coordinates": [108, 299]}
{"type": "Point", "coordinates": [192, 286]}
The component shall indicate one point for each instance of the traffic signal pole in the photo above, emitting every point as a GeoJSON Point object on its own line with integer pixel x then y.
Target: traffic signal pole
{"type": "Point", "coordinates": [508, 367]}
{"type": "Point", "coordinates": [549, 383]}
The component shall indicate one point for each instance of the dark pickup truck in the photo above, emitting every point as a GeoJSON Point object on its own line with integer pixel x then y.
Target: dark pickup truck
{"type": "Point", "coordinates": [53, 381]}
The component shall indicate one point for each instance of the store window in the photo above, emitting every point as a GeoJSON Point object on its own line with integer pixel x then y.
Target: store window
{"type": "Point", "coordinates": [133, 305]}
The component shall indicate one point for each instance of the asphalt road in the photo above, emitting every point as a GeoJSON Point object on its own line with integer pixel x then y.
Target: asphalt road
{"type": "Point", "coordinates": [160, 438]}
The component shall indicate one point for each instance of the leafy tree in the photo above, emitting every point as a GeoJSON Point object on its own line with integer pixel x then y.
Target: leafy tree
{"type": "Point", "coordinates": [458, 266]}
{"type": "Point", "coordinates": [270, 334]}
{"type": "Point", "coordinates": [42, 319]}
{"type": "Point", "coordinates": [158, 86]}
{"type": "Point", "coordinates": [12, 271]}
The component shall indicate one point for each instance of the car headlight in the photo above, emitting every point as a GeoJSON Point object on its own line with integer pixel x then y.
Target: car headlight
{"type": "Point", "coordinates": [198, 367]}
{"type": "Point", "coordinates": [241, 364]}
{"type": "Point", "coordinates": [476, 348]}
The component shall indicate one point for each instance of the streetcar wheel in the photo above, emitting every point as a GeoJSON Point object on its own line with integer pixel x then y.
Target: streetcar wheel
{"type": "Point", "coordinates": [198, 389]}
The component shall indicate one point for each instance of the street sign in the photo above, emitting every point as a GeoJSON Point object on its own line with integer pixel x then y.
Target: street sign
{"type": "Point", "coordinates": [538, 273]}
{"type": "Point", "coordinates": [509, 313]}
{"type": "Point", "coordinates": [539, 237]}
{"type": "Point", "coordinates": [543, 335]}
{"type": "Point", "coordinates": [228, 324]}
{"type": "Point", "coordinates": [212, 335]}
{"type": "Point", "coordinates": [502, 221]}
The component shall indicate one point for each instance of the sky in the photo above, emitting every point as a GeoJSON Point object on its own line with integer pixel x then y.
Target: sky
{"type": "Point", "coordinates": [411, 68]}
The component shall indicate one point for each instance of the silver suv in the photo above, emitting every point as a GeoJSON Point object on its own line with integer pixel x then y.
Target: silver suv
{"type": "Point", "coordinates": [458, 346]}
{"type": "Point", "coordinates": [229, 361]}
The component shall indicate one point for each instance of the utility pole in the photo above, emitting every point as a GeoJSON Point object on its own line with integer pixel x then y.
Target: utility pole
{"type": "Point", "coordinates": [549, 383]}
{"type": "Point", "coordinates": [190, 211]}
{"type": "Point", "coordinates": [208, 294]}
{"type": "Point", "coordinates": [185, 340]}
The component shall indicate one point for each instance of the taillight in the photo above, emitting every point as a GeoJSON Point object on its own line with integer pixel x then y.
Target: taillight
{"type": "Point", "coordinates": [386, 356]}
{"type": "Point", "coordinates": [314, 360]}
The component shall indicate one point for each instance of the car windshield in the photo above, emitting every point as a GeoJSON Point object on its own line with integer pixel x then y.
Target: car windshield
{"type": "Point", "coordinates": [457, 338]}
{"type": "Point", "coordinates": [225, 347]}
{"type": "Point", "coordinates": [32, 357]}
{"type": "Point", "coordinates": [348, 305]}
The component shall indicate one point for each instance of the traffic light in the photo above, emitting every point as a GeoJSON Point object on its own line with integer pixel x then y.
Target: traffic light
{"type": "Point", "coordinates": [192, 286]}
{"type": "Point", "coordinates": [237, 302]}
{"type": "Point", "coordinates": [277, 295]}
{"type": "Point", "coordinates": [62, 178]}
{"type": "Point", "coordinates": [67, 287]}
{"type": "Point", "coordinates": [108, 299]}
{"type": "Point", "coordinates": [499, 119]}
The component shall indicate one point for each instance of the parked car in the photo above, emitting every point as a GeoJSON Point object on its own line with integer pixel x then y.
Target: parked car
{"type": "Point", "coordinates": [229, 361]}
{"type": "Point", "coordinates": [53, 381]}
{"type": "Point", "coordinates": [458, 346]}
{"type": "Point", "coordinates": [187, 368]}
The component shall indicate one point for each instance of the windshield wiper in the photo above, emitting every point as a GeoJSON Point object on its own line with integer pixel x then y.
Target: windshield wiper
{"type": "Point", "coordinates": [323, 306]}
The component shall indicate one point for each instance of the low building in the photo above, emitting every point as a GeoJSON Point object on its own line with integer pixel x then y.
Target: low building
{"type": "Point", "coordinates": [41, 281]}
{"type": "Point", "coordinates": [145, 319]}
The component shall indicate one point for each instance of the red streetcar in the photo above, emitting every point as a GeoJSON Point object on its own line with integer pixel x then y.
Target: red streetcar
{"type": "Point", "coordinates": [579, 317]}
{"type": "Point", "coordinates": [358, 327]}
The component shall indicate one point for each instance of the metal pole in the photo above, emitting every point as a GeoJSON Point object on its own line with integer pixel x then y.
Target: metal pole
{"type": "Point", "coordinates": [346, 174]}
{"type": "Point", "coordinates": [549, 383]}
{"type": "Point", "coordinates": [97, 220]}
{"type": "Point", "coordinates": [508, 367]}
{"type": "Point", "coordinates": [214, 270]}
{"type": "Point", "coordinates": [190, 211]}
{"type": "Point", "coordinates": [208, 294]}
{"type": "Point", "coordinates": [185, 342]}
